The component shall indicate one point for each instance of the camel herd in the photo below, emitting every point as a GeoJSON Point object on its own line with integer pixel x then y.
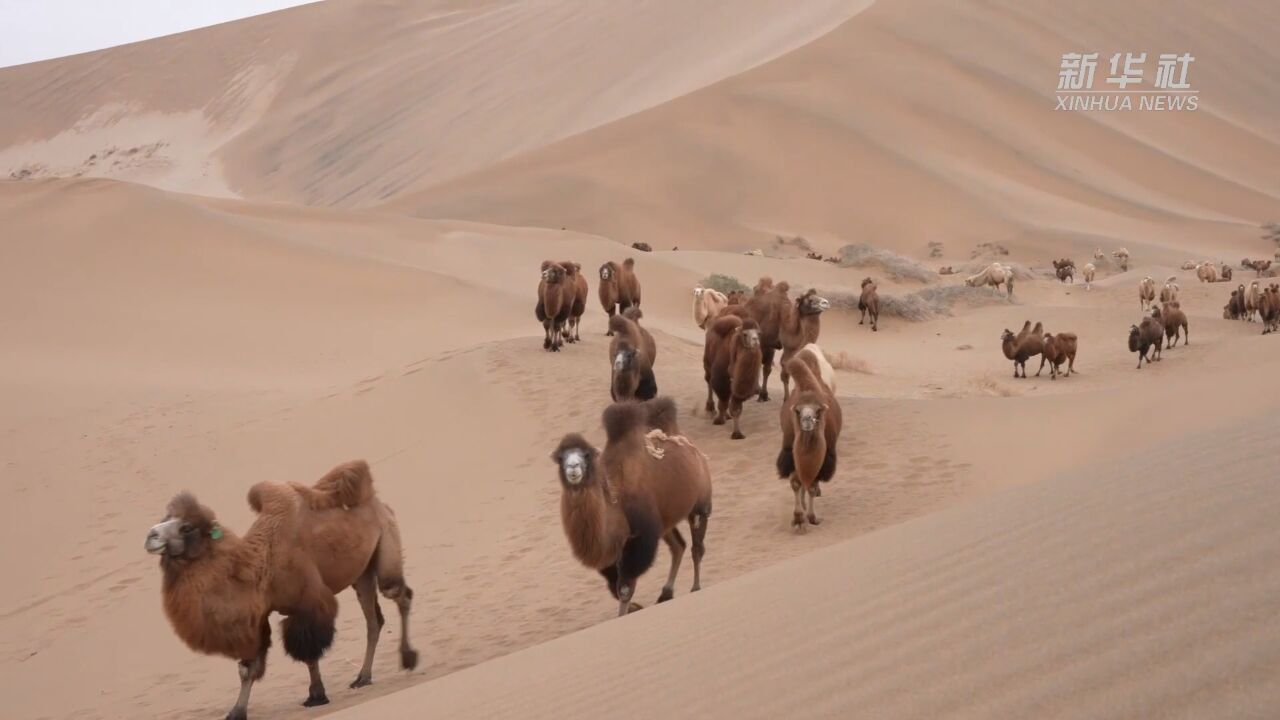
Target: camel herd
{"type": "Point", "coordinates": [308, 543]}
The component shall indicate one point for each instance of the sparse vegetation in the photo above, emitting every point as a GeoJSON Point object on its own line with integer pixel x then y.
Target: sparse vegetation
{"type": "Point", "coordinates": [844, 361]}
{"type": "Point", "coordinates": [935, 249]}
{"type": "Point", "coordinates": [724, 283]}
{"type": "Point", "coordinates": [924, 304]}
{"type": "Point", "coordinates": [988, 250]}
{"type": "Point", "coordinates": [1271, 231]}
{"type": "Point", "coordinates": [893, 265]}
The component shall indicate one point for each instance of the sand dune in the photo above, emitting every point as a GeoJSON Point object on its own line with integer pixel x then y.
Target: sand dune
{"type": "Point", "coordinates": [1138, 589]}
{"type": "Point", "coordinates": [1090, 546]}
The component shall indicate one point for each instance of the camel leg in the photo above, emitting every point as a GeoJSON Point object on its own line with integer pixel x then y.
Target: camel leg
{"type": "Point", "coordinates": [813, 498]}
{"type": "Point", "coordinates": [875, 321]}
{"type": "Point", "coordinates": [864, 317]}
{"type": "Point", "coordinates": [786, 379]}
{"type": "Point", "coordinates": [626, 588]}
{"type": "Point", "coordinates": [677, 545]}
{"type": "Point", "coordinates": [735, 411]}
{"type": "Point", "coordinates": [546, 334]}
{"type": "Point", "coordinates": [698, 531]}
{"type": "Point", "coordinates": [250, 672]}
{"type": "Point", "coordinates": [315, 693]}
{"type": "Point", "coordinates": [1042, 367]}
{"type": "Point", "coordinates": [722, 411]}
{"type": "Point", "coordinates": [367, 590]}
{"type": "Point", "coordinates": [711, 403]}
{"type": "Point", "coordinates": [394, 589]}
{"type": "Point", "coordinates": [609, 312]}
{"type": "Point", "coordinates": [766, 362]}
{"type": "Point", "coordinates": [797, 518]}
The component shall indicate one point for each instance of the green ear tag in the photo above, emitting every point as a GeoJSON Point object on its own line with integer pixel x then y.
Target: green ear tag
{"type": "Point", "coordinates": [216, 533]}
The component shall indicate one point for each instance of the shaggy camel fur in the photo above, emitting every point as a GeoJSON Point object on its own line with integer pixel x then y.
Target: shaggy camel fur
{"type": "Point", "coordinates": [769, 306]}
{"type": "Point", "coordinates": [619, 287]}
{"type": "Point", "coordinates": [1122, 259]}
{"type": "Point", "coordinates": [1252, 299]}
{"type": "Point", "coordinates": [801, 326]}
{"type": "Point", "coordinates": [731, 367]}
{"type": "Point", "coordinates": [1066, 273]}
{"type": "Point", "coordinates": [1234, 309]}
{"type": "Point", "coordinates": [994, 275]}
{"type": "Point", "coordinates": [869, 302]}
{"type": "Point", "coordinates": [1175, 324]}
{"type": "Point", "coordinates": [1225, 273]}
{"type": "Point", "coordinates": [615, 505]}
{"type": "Point", "coordinates": [572, 328]}
{"type": "Point", "coordinates": [1146, 292]}
{"type": "Point", "coordinates": [1169, 293]}
{"type": "Point", "coordinates": [707, 304]}
{"type": "Point", "coordinates": [1269, 309]}
{"type": "Point", "coordinates": [1089, 270]}
{"type": "Point", "coordinates": [632, 353]}
{"type": "Point", "coordinates": [1148, 336]}
{"type": "Point", "coordinates": [555, 304]}
{"type": "Point", "coordinates": [811, 421]}
{"type": "Point", "coordinates": [826, 373]}
{"type": "Point", "coordinates": [1025, 345]}
{"type": "Point", "coordinates": [1207, 272]}
{"type": "Point", "coordinates": [307, 544]}
{"type": "Point", "coordinates": [1058, 349]}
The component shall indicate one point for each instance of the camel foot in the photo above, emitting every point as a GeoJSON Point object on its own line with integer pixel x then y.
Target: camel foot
{"type": "Point", "coordinates": [634, 607]}
{"type": "Point", "coordinates": [797, 522]}
{"type": "Point", "coordinates": [813, 519]}
{"type": "Point", "coordinates": [316, 698]}
{"type": "Point", "coordinates": [361, 681]}
{"type": "Point", "coordinates": [718, 421]}
{"type": "Point", "coordinates": [238, 714]}
{"type": "Point", "coordinates": [764, 397]}
{"type": "Point", "coordinates": [875, 329]}
{"type": "Point", "coordinates": [546, 344]}
{"type": "Point", "coordinates": [737, 435]}
{"type": "Point", "coordinates": [666, 595]}
{"type": "Point", "coordinates": [408, 659]}
{"type": "Point", "coordinates": [711, 407]}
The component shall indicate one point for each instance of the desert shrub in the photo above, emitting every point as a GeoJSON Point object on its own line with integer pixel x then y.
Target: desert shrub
{"type": "Point", "coordinates": [724, 283]}
{"type": "Point", "coordinates": [923, 304]}
{"type": "Point", "coordinates": [893, 265]}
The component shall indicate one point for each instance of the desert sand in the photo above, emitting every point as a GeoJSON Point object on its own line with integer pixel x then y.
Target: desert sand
{"type": "Point", "coordinates": [252, 251]}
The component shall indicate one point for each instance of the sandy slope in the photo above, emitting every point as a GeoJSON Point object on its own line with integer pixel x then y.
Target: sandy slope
{"type": "Point", "coordinates": [1031, 555]}
{"type": "Point", "coordinates": [1145, 588]}
{"type": "Point", "coordinates": [352, 101]}
{"type": "Point", "coordinates": [923, 120]}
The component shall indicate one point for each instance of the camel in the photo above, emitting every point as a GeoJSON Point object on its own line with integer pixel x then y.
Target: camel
{"type": "Point", "coordinates": [1122, 259]}
{"type": "Point", "coordinates": [632, 354]}
{"type": "Point", "coordinates": [1175, 324]}
{"type": "Point", "coordinates": [1269, 309]}
{"type": "Point", "coordinates": [869, 302]}
{"type": "Point", "coordinates": [811, 421]}
{"type": "Point", "coordinates": [800, 326]}
{"type": "Point", "coordinates": [306, 545]}
{"type": "Point", "coordinates": [1146, 292]}
{"type": "Point", "coordinates": [555, 304]}
{"type": "Point", "coordinates": [707, 304]}
{"type": "Point", "coordinates": [769, 306]}
{"type": "Point", "coordinates": [994, 275]}
{"type": "Point", "coordinates": [1025, 345]}
{"type": "Point", "coordinates": [731, 367]}
{"type": "Point", "coordinates": [1252, 299]}
{"type": "Point", "coordinates": [1089, 270]}
{"type": "Point", "coordinates": [1066, 273]}
{"type": "Point", "coordinates": [1234, 309]}
{"type": "Point", "coordinates": [619, 287]}
{"type": "Point", "coordinates": [615, 505]}
{"type": "Point", "coordinates": [1147, 336]}
{"type": "Point", "coordinates": [1207, 272]}
{"type": "Point", "coordinates": [1225, 272]}
{"type": "Point", "coordinates": [578, 307]}
{"type": "Point", "coordinates": [1059, 348]}
{"type": "Point", "coordinates": [1169, 293]}
{"type": "Point", "coordinates": [1260, 266]}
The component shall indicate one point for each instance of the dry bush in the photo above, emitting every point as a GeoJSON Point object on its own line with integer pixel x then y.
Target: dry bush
{"type": "Point", "coordinates": [724, 283]}
{"type": "Point", "coordinates": [924, 304]}
{"type": "Point", "coordinates": [893, 265]}
{"type": "Point", "coordinates": [844, 361]}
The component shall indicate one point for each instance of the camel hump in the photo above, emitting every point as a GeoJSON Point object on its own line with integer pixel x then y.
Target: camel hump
{"type": "Point", "coordinates": [268, 498]}
{"type": "Point", "coordinates": [629, 263]}
{"type": "Point", "coordinates": [632, 313]}
{"type": "Point", "coordinates": [783, 287]}
{"type": "Point", "coordinates": [620, 324]}
{"type": "Point", "coordinates": [663, 415]}
{"type": "Point", "coordinates": [620, 419]}
{"type": "Point", "coordinates": [724, 326]}
{"type": "Point", "coordinates": [347, 485]}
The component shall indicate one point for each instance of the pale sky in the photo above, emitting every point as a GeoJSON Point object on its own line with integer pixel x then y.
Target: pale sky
{"type": "Point", "coordinates": [32, 30]}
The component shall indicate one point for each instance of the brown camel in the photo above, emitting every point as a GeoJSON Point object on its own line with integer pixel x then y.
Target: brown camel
{"type": "Point", "coordinates": [731, 367]}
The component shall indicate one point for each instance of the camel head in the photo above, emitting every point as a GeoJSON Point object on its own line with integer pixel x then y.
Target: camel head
{"type": "Point", "coordinates": [575, 458]}
{"type": "Point", "coordinates": [607, 271]}
{"type": "Point", "coordinates": [867, 281]}
{"type": "Point", "coordinates": [698, 290]}
{"type": "Point", "coordinates": [812, 304]}
{"type": "Point", "coordinates": [750, 334]}
{"type": "Point", "coordinates": [186, 531]}
{"type": "Point", "coordinates": [809, 415]}
{"type": "Point", "coordinates": [552, 273]}
{"type": "Point", "coordinates": [1134, 336]}
{"type": "Point", "coordinates": [1007, 335]}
